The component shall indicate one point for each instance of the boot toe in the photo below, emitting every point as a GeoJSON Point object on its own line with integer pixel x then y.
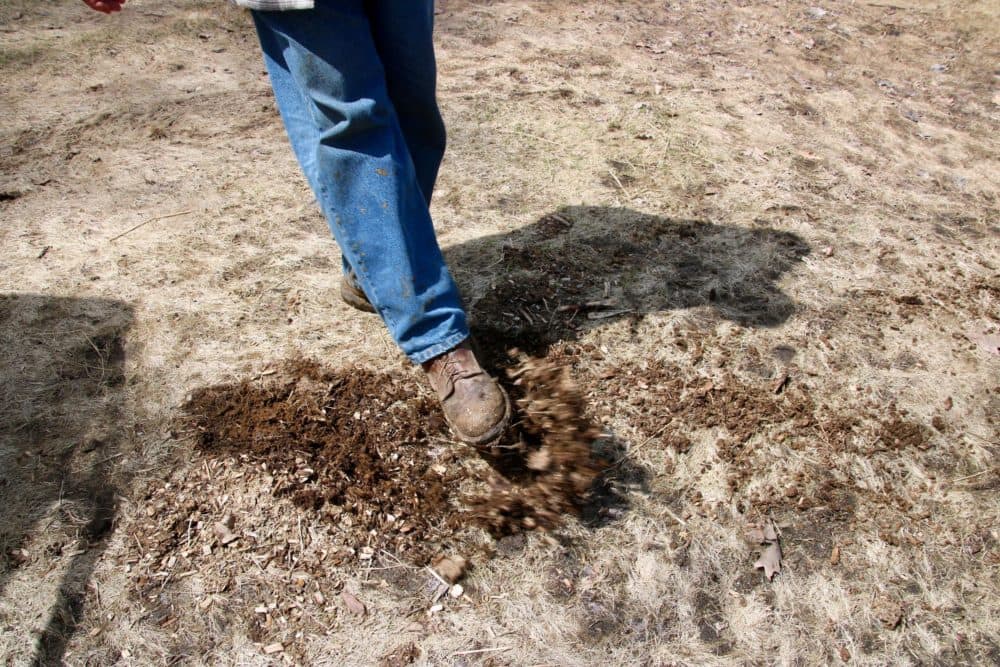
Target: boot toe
{"type": "Point", "coordinates": [478, 411]}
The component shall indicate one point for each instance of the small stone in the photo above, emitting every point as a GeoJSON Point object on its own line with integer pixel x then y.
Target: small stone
{"type": "Point", "coordinates": [456, 591]}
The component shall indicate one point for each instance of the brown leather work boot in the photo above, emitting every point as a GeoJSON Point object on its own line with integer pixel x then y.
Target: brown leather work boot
{"type": "Point", "coordinates": [475, 405]}
{"type": "Point", "coordinates": [353, 295]}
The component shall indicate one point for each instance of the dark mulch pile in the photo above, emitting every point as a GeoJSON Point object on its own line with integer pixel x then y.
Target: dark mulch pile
{"type": "Point", "coordinates": [369, 452]}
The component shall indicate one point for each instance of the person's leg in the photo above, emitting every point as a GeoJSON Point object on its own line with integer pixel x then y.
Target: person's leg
{"type": "Point", "coordinates": [331, 91]}
{"type": "Point", "coordinates": [403, 35]}
{"type": "Point", "coordinates": [330, 87]}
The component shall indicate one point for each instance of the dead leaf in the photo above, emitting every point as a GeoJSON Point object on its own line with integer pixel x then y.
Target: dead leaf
{"type": "Point", "coordinates": [770, 560]}
{"type": "Point", "coordinates": [766, 535]}
{"type": "Point", "coordinates": [353, 604]}
{"type": "Point", "coordinates": [761, 533]}
{"type": "Point", "coordinates": [770, 532]}
{"type": "Point", "coordinates": [755, 534]}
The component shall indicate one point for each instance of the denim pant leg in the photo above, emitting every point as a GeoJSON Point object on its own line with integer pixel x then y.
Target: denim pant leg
{"type": "Point", "coordinates": [330, 86]}
{"type": "Point", "coordinates": [403, 34]}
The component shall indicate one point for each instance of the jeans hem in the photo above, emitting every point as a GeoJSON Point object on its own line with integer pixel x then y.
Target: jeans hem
{"type": "Point", "coordinates": [437, 349]}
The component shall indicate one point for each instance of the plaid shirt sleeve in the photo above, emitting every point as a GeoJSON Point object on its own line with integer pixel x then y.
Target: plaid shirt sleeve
{"type": "Point", "coordinates": [275, 5]}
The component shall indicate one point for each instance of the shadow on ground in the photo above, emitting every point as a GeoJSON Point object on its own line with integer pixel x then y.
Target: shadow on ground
{"type": "Point", "coordinates": [582, 267]}
{"type": "Point", "coordinates": [62, 363]}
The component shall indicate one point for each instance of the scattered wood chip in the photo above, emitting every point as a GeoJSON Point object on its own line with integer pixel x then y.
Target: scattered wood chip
{"type": "Point", "coordinates": [224, 533]}
{"type": "Point", "coordinates": [889, 612]}
{"type": "Point", "coordinates": [353, 604]}
{"type": "Point", "coordinates": [705, 389]}
{"type": "Point", "coordinates": [835, 555]}
{"type": "Point", "coordinates": [276, 647]}
{"type": "Point", "coordinates": [400, 656]}
{"type": "Point", "coordinates": [780, 383]}
{"type": "Point", "coordinates": [540, 459]}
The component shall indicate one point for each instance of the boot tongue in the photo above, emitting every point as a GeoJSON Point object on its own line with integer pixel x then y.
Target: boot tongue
{"type": "Point", "coordinates": [459, 364]}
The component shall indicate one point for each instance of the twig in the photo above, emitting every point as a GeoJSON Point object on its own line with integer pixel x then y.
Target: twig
{"type": "Point", "coordinates": [673, 516]}
{"type": "Point", "coordinates": [986, 440]}
{"type": "Point", "coordinates": [975, 474]}
{"type": "Point", "coordinates": [146, 222]}
{"type": "Point", "coordinates": [618, 181]}
{"type": "Point", "coordinates": [481, 650]}
{"type": "Point", "coordinates": [897, 7]}
{"type": "Point", "coordinates": [532, 136]}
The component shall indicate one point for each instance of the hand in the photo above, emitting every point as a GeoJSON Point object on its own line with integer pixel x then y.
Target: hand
{"type": "Point", "coordinates": [105, 6]}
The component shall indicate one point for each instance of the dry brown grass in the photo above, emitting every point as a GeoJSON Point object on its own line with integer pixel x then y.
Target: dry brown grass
{"type": "Point", "coordinates": [768, 189]}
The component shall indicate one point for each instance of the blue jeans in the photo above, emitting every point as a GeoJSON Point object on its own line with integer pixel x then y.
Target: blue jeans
{"type": "Point", "coordinates": [355, 83]}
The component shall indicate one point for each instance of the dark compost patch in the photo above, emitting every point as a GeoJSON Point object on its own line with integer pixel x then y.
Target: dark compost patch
{"type": "Point", "coordinates": [369, 453]}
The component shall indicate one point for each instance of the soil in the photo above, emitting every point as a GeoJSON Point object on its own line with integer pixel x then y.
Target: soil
{"type": "Point", "coordinates": [359, 448]}
{"type": "Point", "coordinates": [369, 453]}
